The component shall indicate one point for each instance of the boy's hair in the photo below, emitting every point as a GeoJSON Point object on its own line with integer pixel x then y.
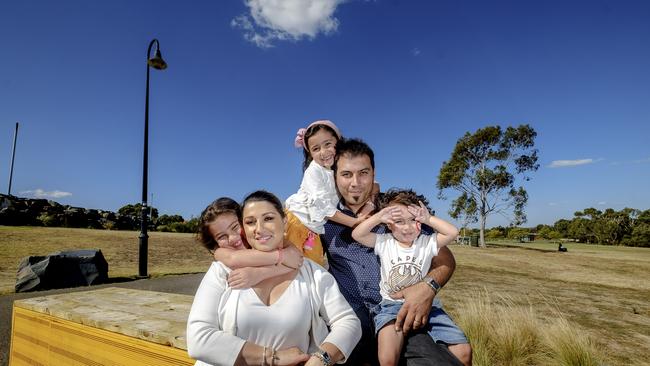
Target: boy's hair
{"type": "Point", "coordinates": [311, 131]}
{"type": "Point", "coordinates": [404, 197]}
{"type": "Point", "coordinates": [353, 148]}
{"type": "Point", "coordinates": [264, 196]}
{"type": "Point", "coordinates": [218, 207]}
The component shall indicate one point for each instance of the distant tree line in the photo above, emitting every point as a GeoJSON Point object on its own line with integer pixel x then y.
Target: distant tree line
{"type": "Point", "coordinates": [164, 223]}
{"type": "Point", "coordinates": [629, 227]}
{"type": "Point", "coordinates": [16, 211]}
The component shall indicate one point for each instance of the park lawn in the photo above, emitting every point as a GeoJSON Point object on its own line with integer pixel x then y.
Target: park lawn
{"type": "Point", "coordinates": [602, 290]}
{"type": "Point", "coordinates": [169, 253]}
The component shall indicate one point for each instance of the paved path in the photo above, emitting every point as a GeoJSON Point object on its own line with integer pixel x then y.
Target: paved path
{"type": "Point", "coordinates": [182, 284]}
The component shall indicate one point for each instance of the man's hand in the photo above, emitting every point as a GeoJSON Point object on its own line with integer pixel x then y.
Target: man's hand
{"type": "Point", "coordinates": [414, 313]}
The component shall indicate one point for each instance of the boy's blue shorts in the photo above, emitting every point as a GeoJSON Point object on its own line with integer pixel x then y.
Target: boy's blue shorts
{"type": "Point", "coordinates": [441, 327]}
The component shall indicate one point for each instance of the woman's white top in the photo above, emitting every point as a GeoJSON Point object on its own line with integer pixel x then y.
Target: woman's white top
{"type": "Point", "coordinates": [259, 323]}
{"type": "Point", "coordinates": [403, 267]}
{"type": "Point", "coordinates": [222, 319]}
{"type": "Point", "coordinates": [316, 200]}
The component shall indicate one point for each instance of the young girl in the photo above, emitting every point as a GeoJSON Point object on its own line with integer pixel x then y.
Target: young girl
{"type": "Point", "coordinates": [220, 232]}
{"type": "Point", "coordinates": [406, 254]}
{"type": "Point", "coordinates": [316, 200]}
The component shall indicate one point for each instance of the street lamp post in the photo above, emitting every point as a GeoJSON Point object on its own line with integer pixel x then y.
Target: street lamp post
{"type": "Point", "coordinates": [159, 64]}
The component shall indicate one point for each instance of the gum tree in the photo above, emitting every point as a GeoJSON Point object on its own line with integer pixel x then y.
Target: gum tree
{"type": "Point", "coordinates": [483, 168]}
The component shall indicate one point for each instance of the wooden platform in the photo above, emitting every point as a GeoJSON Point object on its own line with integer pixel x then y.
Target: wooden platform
{"type": "Point", "coordinates": [112, 326]}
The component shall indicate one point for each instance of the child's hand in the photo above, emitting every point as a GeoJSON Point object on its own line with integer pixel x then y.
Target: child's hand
{"type": "Point", "coordinates": [421, 213]}
{"type": "Point", "coordinates": [292, 257]}
{"type": "Point", "coordinates": [367, 209]}
{"type": "Point", "coordinates": [361, 217]}
{"type": "Point", "coordinates": [389, 214]}
{"type": "Point", "coordinates": [244, 277]}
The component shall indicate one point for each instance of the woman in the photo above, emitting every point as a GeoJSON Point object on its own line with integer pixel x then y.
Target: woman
{"type": "Point", "coordinates": [220, 233]}
{"type": "Point", "coordinates": [268, 324]}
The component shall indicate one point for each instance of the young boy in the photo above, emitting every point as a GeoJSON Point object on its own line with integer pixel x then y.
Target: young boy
{"type": "Point", "coordinates": [405, 256]}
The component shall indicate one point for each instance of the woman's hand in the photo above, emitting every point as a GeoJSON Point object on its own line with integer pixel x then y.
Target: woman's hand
{"type": "Point", "coordinates": [314, 361]}
{"type": "Point", "coordinates": [292, 257]}
{"type": "Point", "coordinates": [290, 356]}
{"type": "Point", "coordinates": [244, 277]}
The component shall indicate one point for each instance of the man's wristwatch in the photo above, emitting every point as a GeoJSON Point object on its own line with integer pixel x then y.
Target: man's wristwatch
{"type": "Point", "coordinates": [324, 357]}
{"type": "Point", "coordinates": [432, 283]}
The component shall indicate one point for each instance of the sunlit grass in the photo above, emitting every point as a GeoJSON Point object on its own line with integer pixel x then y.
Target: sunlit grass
{"type": "Point", "coordinates": [602, 292]}
{"type": "Point", "coordinates": [503, 333]}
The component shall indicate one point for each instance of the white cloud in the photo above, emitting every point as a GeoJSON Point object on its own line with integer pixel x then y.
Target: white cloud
{"type": "Point", "coordinates": [39, 193]}
{"type": "Point", "coordinates": [552, 203]}
{"type": "Point", "coordinates": [568, 163]}
{"type": "Point", "coordinates": [415, 51]}
{"type": "Point", "coordinates": [271, 20]}
{"type": "Point", "coordinates": [602, 203]}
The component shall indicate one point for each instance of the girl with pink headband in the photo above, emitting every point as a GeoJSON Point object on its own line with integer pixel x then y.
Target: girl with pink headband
{"type": "Point", "coordinates": [316, 201]}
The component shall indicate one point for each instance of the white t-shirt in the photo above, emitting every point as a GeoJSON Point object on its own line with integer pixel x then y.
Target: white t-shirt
{"type": "Point", "coordinates": [316, 199]}
{"type": "Point", "coordinates": [402, 267]}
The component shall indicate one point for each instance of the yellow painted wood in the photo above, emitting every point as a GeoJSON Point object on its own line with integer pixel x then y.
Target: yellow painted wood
{"type": "Point", "coordinates": [40, 338]}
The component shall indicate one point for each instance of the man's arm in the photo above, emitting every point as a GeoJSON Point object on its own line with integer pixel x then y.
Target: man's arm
{"type": "Point", "coordinates": [418, 298]}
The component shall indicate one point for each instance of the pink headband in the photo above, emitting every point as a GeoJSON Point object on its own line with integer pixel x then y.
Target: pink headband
{"type": "Point", "coordinates": [300, 135]}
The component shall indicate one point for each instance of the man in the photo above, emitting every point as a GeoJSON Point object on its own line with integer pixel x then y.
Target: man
{"type": "Point", "coordinates": [356, 267]}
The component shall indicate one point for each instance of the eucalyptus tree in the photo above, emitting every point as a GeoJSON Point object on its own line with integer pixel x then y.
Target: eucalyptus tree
{"type": "Point", "coordinates": [483, 168]}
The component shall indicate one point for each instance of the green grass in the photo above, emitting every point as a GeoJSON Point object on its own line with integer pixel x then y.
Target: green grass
{"type": "Point", "coordinates": [554, 308]}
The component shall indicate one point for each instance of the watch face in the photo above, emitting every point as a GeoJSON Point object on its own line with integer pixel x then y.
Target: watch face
{"type": "Point", "coordinates": [432, 282]}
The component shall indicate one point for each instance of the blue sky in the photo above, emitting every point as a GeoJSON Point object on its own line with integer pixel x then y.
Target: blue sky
{"type": "Point", "coordinates": [409, 77]}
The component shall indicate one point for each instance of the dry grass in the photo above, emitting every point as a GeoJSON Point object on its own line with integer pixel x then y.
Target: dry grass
{"type": "Point", "coordinates": [604, 293]}
{"type": "Point", "coordinates": [503, 333]}
{"type": "Point", "coordinates": [168, 252]}
{"type": "Point", "coordinates": [601, 292]}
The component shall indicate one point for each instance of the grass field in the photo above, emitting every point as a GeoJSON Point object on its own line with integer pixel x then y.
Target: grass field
{"type": "Point", "coordinates": [602, 291]}
{"type": "Point", "coordinates": [168, 252]}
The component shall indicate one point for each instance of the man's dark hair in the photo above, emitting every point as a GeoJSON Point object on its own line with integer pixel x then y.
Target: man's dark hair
{"type": "Point", "coordinates": [353, 148]}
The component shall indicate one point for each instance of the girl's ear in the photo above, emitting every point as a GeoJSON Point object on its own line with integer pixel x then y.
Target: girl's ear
{"type": "Point", "coordinates": [418, 225]}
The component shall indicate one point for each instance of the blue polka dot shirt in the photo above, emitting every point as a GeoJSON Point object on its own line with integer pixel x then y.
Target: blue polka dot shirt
{"type": "Point", "coordinates": [354, 266]}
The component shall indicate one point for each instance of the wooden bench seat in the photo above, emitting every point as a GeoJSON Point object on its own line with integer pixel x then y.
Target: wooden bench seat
{"type": "Point", "coordinates": [111, 326]}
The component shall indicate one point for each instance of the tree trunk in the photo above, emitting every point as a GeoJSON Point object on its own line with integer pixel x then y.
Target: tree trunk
{"type": "Point", "coordinates": [482, 232]}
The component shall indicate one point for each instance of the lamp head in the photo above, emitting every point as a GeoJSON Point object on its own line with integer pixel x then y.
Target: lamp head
{"type": "Point", "coordinates": [157, 62]}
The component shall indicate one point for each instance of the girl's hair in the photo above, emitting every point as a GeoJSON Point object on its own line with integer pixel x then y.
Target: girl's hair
{"type": "Point", "coordinates": [220, 206]}
{"type": "Point", "coordinates": [405, 197]}
{"type": "Point", "coordinates": [264, 196]}
{"type": "Point", "coordinates": [311, 131]}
